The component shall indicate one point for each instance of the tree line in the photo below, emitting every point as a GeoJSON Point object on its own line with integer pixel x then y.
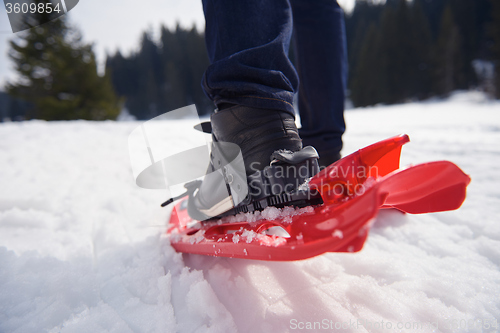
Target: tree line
{"type": "Point", "coordinates": [414, 50]}
{"type": "Point", "coordinates": [398, 51]}
{"type": "Point", "coordinates": [163, 75]}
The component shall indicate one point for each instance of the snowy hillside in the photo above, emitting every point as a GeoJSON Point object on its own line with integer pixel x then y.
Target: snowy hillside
{"type": "Point", "coordinates": [80, 245]}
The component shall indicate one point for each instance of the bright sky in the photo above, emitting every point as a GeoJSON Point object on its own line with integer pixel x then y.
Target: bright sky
{"type": "Point", "coordinates": [114, 24]}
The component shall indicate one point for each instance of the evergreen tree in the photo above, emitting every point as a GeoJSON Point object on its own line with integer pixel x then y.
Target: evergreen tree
{"type": "Point", "coordinates": [448, 58]}
{"type": "Point", "coordinates": [58, 75]}
{"type": "Point", "coordinates": [369, 79]}
{"type": "Point", "coordinates": [123, 73]}
{"type": "Point", "coordinates": [185, 59]}
{"type": "Point", "coordinates": [162, 76]}
{"type": "Point", "coordinates": [175, 67]}
{"type": "Point", "coordinates": [483, 20]}
{"type": "Point", "coordinates": [361, 21]}
{"type": "Point", "coordinates": [421, 49]}
{"type": "Point", "coordinates": [421, 35]}
{"type": "Point", "coordinates": [392, 62]}
{"type": "Point", "coordinates": [149, 77]}
{"type": "Point", "coordinates": [464, 14]}
{"type": "Point", "coordinates": [396, 51]}
{"type": "Point", "coordinates": [494, 30]}
{"type": "Point", "coordinates": [433, 11]}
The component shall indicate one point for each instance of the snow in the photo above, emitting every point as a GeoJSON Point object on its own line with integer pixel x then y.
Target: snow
{"type": "Point", "coordinates": [269, 213]}
{"type": "Point", "coordinates": [80, 245]}
{"type": "Point", "coordinates": [338, 233]}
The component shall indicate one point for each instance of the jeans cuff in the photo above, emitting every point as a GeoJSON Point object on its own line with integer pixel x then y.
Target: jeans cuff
{"type": "Point", "coordinates": [260, 102]}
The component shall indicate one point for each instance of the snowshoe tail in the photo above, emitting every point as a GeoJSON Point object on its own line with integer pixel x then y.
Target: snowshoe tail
{"type": "Point", "coordinates": [425, 188]}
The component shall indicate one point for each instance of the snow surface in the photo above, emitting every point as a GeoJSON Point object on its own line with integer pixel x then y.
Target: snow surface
{"type": "Point", "coordinates": [80, 245]}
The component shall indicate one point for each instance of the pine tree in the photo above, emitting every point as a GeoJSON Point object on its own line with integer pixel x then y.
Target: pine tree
{"type": "Point", "coordinates": [448, 58]}
{"type": "Point", "coordinates": [390, 52]}
{"type": "Point", "coordinates": [494, 29]}
{"type": "Point", "coordinates": [175, 67]}
{"type": "Point", "coordinates": [149, 77]}
{"type": "Point", "coordinates": [465, 16]}
{"type": "Point", "coordinates": [164, 75]}
{"type": "Point", "coordinates": [421, 36]}
{"type": "Point", "coordinates": [369, 77]}
{"type": "Point", "coordinates": [422, 47]}
{"type": "Point", "coordinates": [392, 63]}
{"type": "Point", "coordinates": [364, 17]}
{"type": "Point", "coordinates": [397, 51]}
{"type": "Point", "coordinates": [58, 75]}
{"type": "Point", "coordinates": [185, 59]}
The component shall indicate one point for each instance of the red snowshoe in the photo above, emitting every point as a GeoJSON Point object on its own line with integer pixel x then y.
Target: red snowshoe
{"type": "Point", "coordinates": [353, 189]}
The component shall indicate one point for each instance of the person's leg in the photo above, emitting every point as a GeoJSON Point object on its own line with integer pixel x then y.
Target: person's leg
{"type": "Point", "coordinates": [251, 79]}
{"type": "Point", "coordinates": [252, 82]}
{"type": "Point", "coordinates": [321, 60]}
{"type": "Point", "coordinates": [247, 43]}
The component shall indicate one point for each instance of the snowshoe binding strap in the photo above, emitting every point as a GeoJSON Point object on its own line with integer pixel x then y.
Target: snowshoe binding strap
{"type": "Point", "coordinates": [283, 183]}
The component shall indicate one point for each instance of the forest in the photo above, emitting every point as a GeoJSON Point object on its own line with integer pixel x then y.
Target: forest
{"type": "Point", "coordinates": [398, 51]}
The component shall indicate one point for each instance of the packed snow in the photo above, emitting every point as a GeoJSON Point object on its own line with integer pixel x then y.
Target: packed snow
{"type": "Point", "coordinates": [81, 247]}
{"type": "Point", "coordinates": [269, 213]}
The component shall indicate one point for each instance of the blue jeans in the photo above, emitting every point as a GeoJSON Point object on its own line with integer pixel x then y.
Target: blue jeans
{"type": "Point", "coordinates": [248, 43]}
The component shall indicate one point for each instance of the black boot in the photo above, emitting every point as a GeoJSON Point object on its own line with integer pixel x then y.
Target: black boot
{"type": "Point", "coordinates": [262, 136]}
{"type": "Point", "coordinates": [257, 132]}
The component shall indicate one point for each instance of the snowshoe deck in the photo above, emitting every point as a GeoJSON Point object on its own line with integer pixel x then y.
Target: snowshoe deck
{"type": "Point", "coordinates": [353, 190]}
